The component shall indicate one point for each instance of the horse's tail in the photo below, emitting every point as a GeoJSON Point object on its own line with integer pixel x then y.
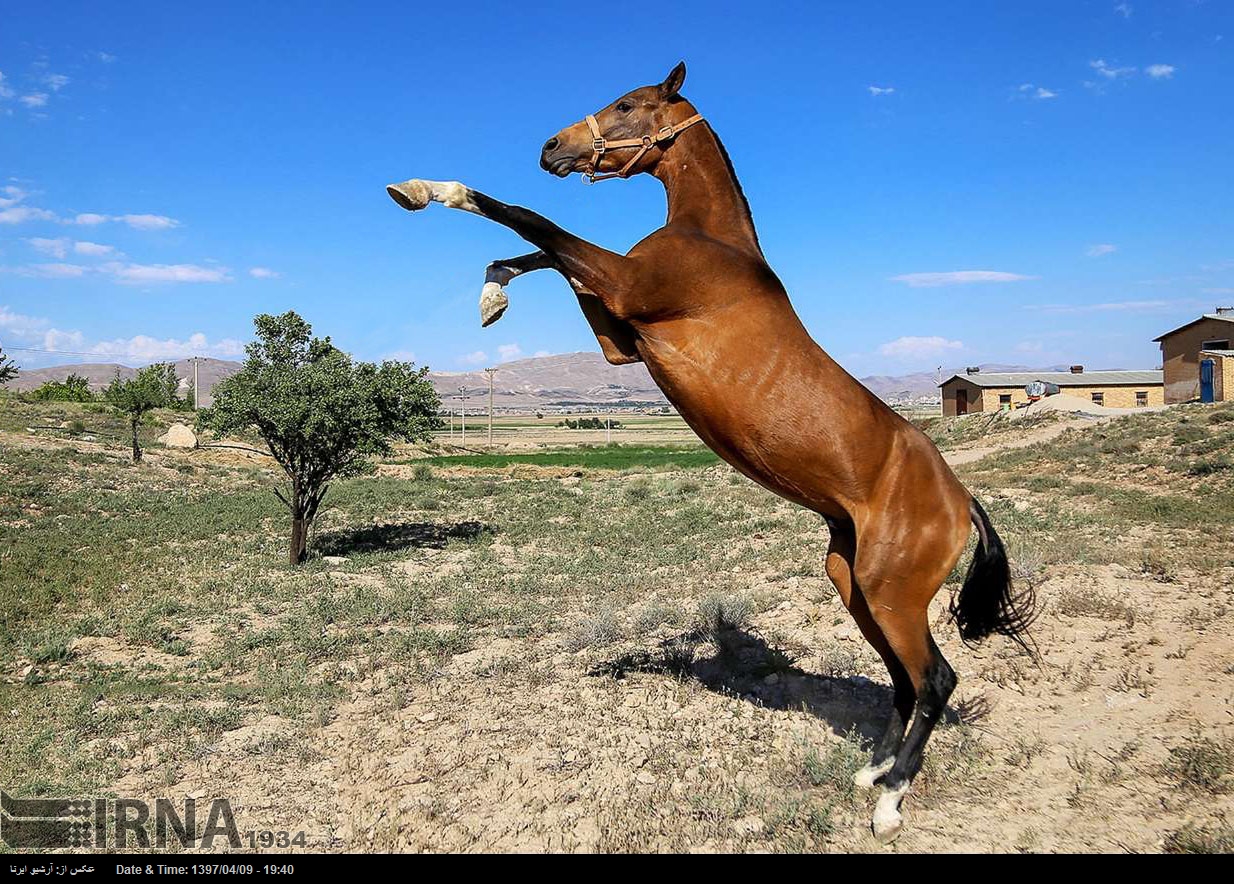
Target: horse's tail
{"type": "Point", "coordinates": [987, 603]}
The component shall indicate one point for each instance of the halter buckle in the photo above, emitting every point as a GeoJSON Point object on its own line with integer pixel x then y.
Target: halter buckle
{"type": "Point", "coordinates": [597, 145]}
{"type": "Point", "coordinates": [665, 134]}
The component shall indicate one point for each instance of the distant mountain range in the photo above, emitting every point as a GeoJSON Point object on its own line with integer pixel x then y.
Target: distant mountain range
{"type": "Point", "coordinates": [542, 382]}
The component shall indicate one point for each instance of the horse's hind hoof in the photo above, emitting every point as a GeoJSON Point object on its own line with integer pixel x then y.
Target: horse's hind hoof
{"type": "Point", "coordinates": [493, 303]}
{"type": "Point", "coordinates": [888, 821]}
{"type": "Point", "coordinates": [412, 195]}
{"type": "Point", "coordinates": [888, 828]}
{"type": "Point", "coordinates": [867, 778]}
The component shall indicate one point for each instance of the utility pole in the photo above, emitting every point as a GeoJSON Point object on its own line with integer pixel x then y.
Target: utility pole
{"type": "Point", "coordinates": [196, 394]}
{"type": "Point", "coordinates": [490, 372]}
{"type": "Point", "coordinates": [462, 414]}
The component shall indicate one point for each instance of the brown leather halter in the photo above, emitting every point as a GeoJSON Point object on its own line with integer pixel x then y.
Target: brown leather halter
{"type": "Point", "coordinates": [599, 146]}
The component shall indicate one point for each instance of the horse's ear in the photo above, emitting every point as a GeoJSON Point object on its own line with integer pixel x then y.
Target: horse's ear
{"type": "Point", "coordinates": [672, 83]}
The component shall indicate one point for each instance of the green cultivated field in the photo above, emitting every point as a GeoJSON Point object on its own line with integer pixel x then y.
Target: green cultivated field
{"type": "Point", "coordinates": [608, 457]}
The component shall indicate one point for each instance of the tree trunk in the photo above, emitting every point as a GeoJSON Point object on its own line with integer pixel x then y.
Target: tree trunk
{"type": "Point", "coordinates": [299, 540]}
{"type": "Point", "coordinates": [136, 447]}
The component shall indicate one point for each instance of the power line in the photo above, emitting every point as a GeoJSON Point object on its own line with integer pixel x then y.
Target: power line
{"type": "Point", "coordinates": [59, 352]}
{"type": "Point", "coordinates": [95, 355]}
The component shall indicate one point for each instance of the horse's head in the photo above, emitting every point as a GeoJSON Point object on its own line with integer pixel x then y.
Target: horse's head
{"type": "Point", "coordinates": [625, 138]}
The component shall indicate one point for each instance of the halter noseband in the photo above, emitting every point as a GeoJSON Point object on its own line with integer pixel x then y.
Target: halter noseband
{"type": "Point", "coordinates": [599, 146]}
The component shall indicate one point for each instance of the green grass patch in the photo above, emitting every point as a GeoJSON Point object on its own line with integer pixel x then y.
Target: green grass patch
{"type": "Point", "coordinates": [607, 457]}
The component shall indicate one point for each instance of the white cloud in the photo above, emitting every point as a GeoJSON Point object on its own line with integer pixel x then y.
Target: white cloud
{"type": "Point", "coordinates": [60, 247]}
{"type": "Point", "coordinates": [1123, 9]}
{"type": "Point", "coordinates": [911, 347]}
{"type": "Point", "coordinates": [507, 352]}
{"type": "Point", "coordinates": [12, 194]}
{"type": "Point", "coordinates": [401, 356]}
{"type": "Point", "coordinates": [1218, 291]}
{"type": "Point", "coordinates": [105, 57]}
{"type": "Point", "coordinates": [1160, 71]}
{"type": "Point", "coordinates": [539, 353]}
{"type": "Point", "coordinates": [881, 90]}
{"type": "Point", "coordinates": [55, 271]}
{"type": "Point", "coordinates": [155, 273]}
{"type": "Point", "coordinates": [55, 82]}
{"type": "Point", "coordinates": [143, 348]}
{"type": "Point", "coordinates": [149, 222]}
{"type": "Point", "coordinates": [957, 277]}
{"type": "Point", "coordinates": [474, 358]}
{"type": "Point", "coordinates": [20, 324]}
{"type": "Point", "coordinates": [5, 91]}
{"type": "Point", "coordinates": [126, 273]}
{"type": "Point", "coordinates": [19, 214]}
{"type": "Point", "coordinates": [1040, 93]}
{"type": "Point", "coordinates": [1110, 73]}
{"type": "Point", "coordinates": [34, 99]}
{"type": "Point", "coordinates": [55, 339]}
{"type": "Point", "coordinates": [93, 249]}
{"type": "Point", "coordinates": [57, 248]}
{"type": "Point", "coordinates": [137, 349]}
{"type": "Point", "coordinates": [263, 273]}
{"type": "Point", "coordinates": [1100, 249]}
{"type": "Point", "coordinates": [137, 222]}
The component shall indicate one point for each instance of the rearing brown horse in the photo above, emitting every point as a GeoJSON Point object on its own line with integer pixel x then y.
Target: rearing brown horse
{"type": "Point", "coordinates": [697, 302]}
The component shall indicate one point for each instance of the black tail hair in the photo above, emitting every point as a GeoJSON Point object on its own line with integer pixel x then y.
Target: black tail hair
{"type": "Point", "coordinates": [987, 603]}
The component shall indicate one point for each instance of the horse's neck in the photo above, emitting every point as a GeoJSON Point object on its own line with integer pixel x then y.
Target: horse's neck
{"type": "Point", "coordinates": [703, 191]}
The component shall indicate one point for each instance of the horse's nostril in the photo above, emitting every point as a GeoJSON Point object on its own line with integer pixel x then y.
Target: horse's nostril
{"type": "Point", "coordinates": [551, 144]}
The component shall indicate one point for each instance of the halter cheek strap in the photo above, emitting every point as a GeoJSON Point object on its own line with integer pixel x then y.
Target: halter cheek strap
{"type": "Point", "coordinates": [599, 146]}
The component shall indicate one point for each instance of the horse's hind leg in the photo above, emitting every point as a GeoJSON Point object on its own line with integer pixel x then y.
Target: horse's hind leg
{"type": "Point", "coordinates": [905, 624]}
{"type": "Point", "coordinates": [840, 554]}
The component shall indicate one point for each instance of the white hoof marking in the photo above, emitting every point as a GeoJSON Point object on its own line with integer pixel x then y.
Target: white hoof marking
{"type": "Point", "coordinates": [864, 778]}
{"type": "Point", "coordinates": [887, 818]}
{"type": "Point", "coordinates": [417, 193]}
{"type": "Point", "coordinates": [493, 303]}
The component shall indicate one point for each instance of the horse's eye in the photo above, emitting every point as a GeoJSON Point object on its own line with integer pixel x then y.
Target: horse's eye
{"type": "Point", "coordinates": [624, 107]}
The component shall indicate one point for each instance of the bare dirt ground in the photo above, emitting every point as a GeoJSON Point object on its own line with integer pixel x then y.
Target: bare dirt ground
{"type": "Point", "coordinates": [652, 662]}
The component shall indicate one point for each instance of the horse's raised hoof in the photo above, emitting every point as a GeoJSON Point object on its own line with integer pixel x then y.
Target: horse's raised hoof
{"type": "Point", "coordinates": [493, 303]}
{"type": "Point", "coordinates": [412, 195]}
{"type": "Point", "coordinates": [867, 778]}
{"type": "Point", "coordinates": [888, 820]}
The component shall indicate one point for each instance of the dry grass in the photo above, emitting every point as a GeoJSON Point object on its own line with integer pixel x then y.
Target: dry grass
{"type": "Point", "coordinates": [649, 659]}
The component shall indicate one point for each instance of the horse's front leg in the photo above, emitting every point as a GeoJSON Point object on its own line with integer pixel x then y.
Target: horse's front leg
{"type": "Point", "coordinates": [597, 269]}
{"type": "Point", "coordinates": [493, 300]}
{"type": "Point", "coordinates": [617, 339]}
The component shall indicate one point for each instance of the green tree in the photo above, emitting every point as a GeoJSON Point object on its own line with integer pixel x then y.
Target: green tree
{"type": "Point", "coordinates": [150, 389]}
{"type": "Point", "coordinates": [8, 368]}
{"type": "Point", "coordinates": [321, 414]}
{"type": "Point", "coordinates": [73, 388]}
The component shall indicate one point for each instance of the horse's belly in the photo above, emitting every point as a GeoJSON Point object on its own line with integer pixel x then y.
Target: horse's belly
{"type": "Point", "coordinates": [762, 436]}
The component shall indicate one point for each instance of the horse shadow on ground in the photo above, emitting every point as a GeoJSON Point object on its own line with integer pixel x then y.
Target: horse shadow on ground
{"type": "Point", "coordinates": [397, 536]}
{"type": "Point", "coordinates": [746, 667]}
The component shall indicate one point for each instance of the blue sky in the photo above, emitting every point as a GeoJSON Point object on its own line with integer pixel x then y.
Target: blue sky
{"type": "Point", "coordinates": [948, 183]}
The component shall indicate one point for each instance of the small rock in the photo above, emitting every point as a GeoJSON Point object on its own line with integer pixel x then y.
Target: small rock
{"type": "Point", "coordinates": [646, 778]}
{"type": "Point", "coordinates": [772, 679]}
{"type": "Point", "coordinates": [749, 825]}
{"type": "Point", "coordinates": [427, 717]}
{"type": "Point", "coordinates": [334, 560]}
